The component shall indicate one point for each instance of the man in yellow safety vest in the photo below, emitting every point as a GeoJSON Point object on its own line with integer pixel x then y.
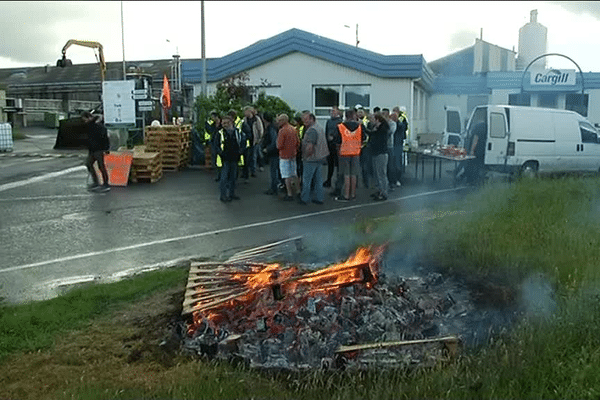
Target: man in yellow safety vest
{"type": "Point", "coordinates": [230, 150]}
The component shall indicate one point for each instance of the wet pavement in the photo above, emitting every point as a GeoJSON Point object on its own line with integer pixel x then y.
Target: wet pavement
{"type": "Point", "coordinates": [53, 231]}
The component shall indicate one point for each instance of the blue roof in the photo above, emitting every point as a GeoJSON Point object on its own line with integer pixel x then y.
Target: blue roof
{"type": "Point", "coordinates": [296, 40]}
{"type": "Point", "coordinates": [460, 63]}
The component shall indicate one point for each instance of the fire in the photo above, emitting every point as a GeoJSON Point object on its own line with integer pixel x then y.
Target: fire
{"type": "Point", "coordinates": [263, 290]}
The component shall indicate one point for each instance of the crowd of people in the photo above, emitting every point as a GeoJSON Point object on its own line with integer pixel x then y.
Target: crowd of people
{"type": "Point", "coordinates": [298, 150]}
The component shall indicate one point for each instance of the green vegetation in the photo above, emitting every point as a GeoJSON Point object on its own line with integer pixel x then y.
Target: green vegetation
{"type": "Point", "coordinates": [17, 134]}
{"type": "Point", "coordinates": [102, 341]}
{"type": "Point", "coordinates": [34, 326]}
{"type": "Point", "coordinates": [233, 94]}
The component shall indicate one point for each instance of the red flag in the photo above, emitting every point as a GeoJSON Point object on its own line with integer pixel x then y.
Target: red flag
{"type": "Point", "coordinates": [165, 99]}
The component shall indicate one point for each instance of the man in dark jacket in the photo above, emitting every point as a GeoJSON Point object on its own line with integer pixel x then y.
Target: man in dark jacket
{"type": "Point", "coordinates": [332, 158]}
{"type": "Point", "coordinates": [98, 144]}
{"type": "Point", "coordinates": [378, 141]}
{"type": "Point", "coordinates": [230, 150]}
{"type": "Point", "coordinates": [269, 148]}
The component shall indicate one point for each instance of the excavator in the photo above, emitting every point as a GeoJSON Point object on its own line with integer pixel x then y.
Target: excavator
{"type": "Point", "coordinates": [65, 62]}
{"type": "Point", "coordinates": [72, 131]}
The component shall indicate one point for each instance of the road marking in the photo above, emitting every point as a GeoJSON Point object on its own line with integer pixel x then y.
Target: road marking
{"type": "Point", "coordinates": [56, 197]}
{"type": "Point", "coordinates": [219, 231]}
{"type": "Point", "coordinates": [17, 184]}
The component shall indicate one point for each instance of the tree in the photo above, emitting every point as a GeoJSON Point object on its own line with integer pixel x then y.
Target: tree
{"type": "Point", "coordinates": [234, 93]}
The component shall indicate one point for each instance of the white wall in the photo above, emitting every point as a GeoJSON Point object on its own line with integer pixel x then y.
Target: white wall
{"type": "Point", "coordinates": [436, 115]}
{"type": "Point", "coordinates": [296, 73]}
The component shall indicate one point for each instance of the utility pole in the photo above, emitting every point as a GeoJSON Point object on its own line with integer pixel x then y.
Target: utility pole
{"type": "Point", "coordinates": [203, 42]}
{"type": "Point", "coordinates": [123, 39]}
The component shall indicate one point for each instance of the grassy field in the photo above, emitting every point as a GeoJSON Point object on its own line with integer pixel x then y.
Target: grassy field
{"type": "Point", "coordinates": [102, 342]}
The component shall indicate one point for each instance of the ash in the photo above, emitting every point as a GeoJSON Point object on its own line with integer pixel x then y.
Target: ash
{"type": "Point", "coordinates": [306, 335]}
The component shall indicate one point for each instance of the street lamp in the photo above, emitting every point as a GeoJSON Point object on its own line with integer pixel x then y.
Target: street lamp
{"type": "Point", "coordinates": [357, 41]}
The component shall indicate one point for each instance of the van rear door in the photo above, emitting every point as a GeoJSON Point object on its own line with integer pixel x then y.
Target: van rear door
{"type": "Point", "coordinates": [453, 127]}
{"type": "Point", "coordinates": [497, 141]}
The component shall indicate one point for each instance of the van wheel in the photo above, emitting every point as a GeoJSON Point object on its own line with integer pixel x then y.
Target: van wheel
{"type": "Point", "coordinates": [529, 170]}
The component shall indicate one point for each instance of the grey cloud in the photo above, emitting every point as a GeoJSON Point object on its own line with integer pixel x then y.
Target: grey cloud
{"type": "Point", "coordinates": [462, 39]}
{"type": "Point", "coordinates": [31, 31]}
{"type": "Point", "coordinates": [581, 7]}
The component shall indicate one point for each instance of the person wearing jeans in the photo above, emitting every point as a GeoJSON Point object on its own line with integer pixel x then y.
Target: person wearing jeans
{"type": "Point", "coordinates": [314, 155]}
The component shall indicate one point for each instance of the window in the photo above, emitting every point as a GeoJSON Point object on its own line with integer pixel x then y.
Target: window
{"type": "Point", "coordinates": [588, 133]}
{"type": "Point", "coordinates": [575, 102]}
{"type": "Point", "coordinates": [519, 99]}
{"type": "Point", "coordinates": [497, 126]}
{"type": "Point", "coordinates": [454, 125]}
{"type": "Point", "coordinates": [348, 96]}
{"type": "Point", "coordinates": [356, 94]}
{"type": "Point", "coordinates": [547, 100]}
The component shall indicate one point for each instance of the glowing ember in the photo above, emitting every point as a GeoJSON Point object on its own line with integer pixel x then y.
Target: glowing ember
{"type": "Point", "coordinates": [241, 297]}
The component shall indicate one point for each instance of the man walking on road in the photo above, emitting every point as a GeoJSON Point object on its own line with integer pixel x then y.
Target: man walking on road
{"type": "Point", "coordinates": [98, 144]}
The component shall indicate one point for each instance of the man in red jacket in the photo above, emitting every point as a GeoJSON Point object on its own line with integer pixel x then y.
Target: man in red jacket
{"type": "Point", "coordinates": [287, 144]}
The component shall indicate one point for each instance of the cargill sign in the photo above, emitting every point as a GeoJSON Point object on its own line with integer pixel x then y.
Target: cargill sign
{"type": "Point", "coordinates": [553, 77]}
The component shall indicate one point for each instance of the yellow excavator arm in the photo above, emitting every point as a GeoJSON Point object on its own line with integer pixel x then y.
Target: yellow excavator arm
{"type": "Point", "coordinates": [64, 62]}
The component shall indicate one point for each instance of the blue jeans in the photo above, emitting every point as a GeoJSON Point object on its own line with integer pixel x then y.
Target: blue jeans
{"type": "Point", "coordinates": [312, 171]}
{"type": "Point", "coordinates": [380, 162]}
{"type": "Point", "coordinates": [366, 164]}
{"type": "Point", "coordinates": [398, 161]}
{"type": "Point", "coordinates": [228, 177]}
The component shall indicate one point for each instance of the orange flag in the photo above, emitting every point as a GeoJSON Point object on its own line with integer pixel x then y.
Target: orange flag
{"type": "Point", "coordinates": [165, 99]}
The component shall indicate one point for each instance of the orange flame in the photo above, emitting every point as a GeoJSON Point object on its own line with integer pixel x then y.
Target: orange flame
{"type": "Point", "coordinates": [254, 291]}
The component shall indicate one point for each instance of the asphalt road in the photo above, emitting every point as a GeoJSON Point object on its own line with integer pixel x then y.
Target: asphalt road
{"type": "Point", "coordinates": [53, 231]}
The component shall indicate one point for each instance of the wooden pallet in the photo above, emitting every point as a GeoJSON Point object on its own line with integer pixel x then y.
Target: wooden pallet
{"type": "Point", "coordinates": [146, 167]}
{"type": "Point", "coordinates": [147, 179]}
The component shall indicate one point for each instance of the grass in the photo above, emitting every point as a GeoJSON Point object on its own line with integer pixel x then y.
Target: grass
{"type": "Point", "coordinates": [17, 134]}
{"type": "Point", "coordinates": [102, 341]}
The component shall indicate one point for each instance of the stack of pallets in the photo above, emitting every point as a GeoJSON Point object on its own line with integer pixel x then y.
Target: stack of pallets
{"type": "Point", "coordinates": [145, 166]}
{"type": "Point", "coordinates": [173, 143]}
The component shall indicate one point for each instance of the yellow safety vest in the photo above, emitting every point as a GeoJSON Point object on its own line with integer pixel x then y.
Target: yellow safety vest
{"type": "Point", "coordinates": [206, 134]}
{"type": "Point", "coordinates": [300, 131]}
{"type": "Point", "coordinates": [219, 161]}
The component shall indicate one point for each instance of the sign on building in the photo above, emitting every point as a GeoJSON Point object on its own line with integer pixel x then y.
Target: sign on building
{"type": "Point", "coordinates": [553, 77]}
{"type": "Point", "coordinates": [118, 102]}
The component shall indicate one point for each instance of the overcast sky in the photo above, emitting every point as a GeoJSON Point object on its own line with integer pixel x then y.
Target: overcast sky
{"type": "Point", "coordinates": [33, 33]}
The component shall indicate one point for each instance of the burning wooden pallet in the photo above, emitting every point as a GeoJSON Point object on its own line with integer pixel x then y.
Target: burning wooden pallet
{"type": "Point", "coordinates": [215, 287]}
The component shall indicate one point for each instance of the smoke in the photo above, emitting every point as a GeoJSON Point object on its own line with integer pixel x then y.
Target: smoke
{"type": "Point", "coordinates": [537, 296]}
{"type": "Point", "coordinates": [462, 39]}
{"type": "Point", "coordinates": [591, 8]}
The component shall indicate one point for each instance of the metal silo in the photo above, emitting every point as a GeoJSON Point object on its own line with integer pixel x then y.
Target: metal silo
{"type": "Point", "coordinates": [533, 38]}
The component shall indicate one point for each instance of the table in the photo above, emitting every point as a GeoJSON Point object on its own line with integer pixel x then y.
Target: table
{"type": "Point", "coordinates": [421, 154]}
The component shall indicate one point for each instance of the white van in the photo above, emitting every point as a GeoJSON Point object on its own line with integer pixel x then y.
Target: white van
{"type": "Point", "coordinates": [528, 140]}
{"type": "Point", "coordinates": [453, 133]}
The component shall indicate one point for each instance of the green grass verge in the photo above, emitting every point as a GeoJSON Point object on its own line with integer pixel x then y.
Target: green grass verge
{"type": "Point", "coordinates": [34, 326]}
{"type": "Point", "coordinates": [545, 227]}
{"type": "Point", "coordinates": [17, 134]}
